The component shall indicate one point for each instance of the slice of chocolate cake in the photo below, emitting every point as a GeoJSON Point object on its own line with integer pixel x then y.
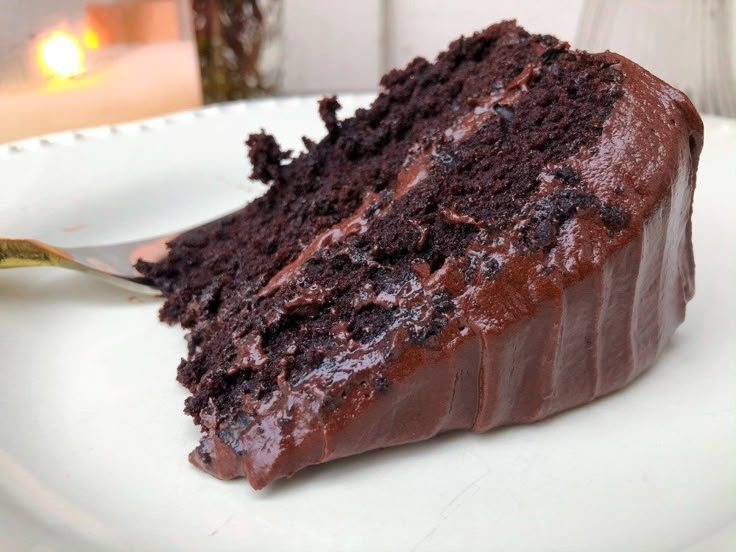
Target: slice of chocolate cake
{"type": "Point", "coordinates": [502, 235]}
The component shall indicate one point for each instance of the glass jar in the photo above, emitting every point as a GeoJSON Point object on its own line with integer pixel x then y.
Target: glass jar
{"type": "Point", "coordinates": [239, 47]}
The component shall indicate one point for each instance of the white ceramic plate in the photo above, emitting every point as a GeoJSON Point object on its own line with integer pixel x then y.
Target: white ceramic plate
{"type": "Point", "coordinates": [93, 442]}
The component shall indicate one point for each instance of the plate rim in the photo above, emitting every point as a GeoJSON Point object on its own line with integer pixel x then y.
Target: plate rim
{"type": "Point", "coordinates": [138, 126]}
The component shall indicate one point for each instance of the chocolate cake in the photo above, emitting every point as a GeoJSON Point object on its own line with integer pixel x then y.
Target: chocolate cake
{"type": "Point", "coordinates": [502, 235]}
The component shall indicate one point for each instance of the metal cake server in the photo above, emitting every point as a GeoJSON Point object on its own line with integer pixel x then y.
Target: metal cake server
{"type": "Point", "coordinates": [110, 263]}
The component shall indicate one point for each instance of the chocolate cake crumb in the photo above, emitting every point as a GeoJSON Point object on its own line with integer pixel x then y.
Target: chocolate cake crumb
{"type": "Point", "coordinates": [567, 174]}
{"type": "Point", "coordinates": [266, 157]}
{"type": "Point", "coordinates": [328, 108]}
{"type": "Point", "coordinates": [615, 218]}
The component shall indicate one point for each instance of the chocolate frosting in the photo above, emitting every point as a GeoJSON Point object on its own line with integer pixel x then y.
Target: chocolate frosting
{"type": "Point", "coordinates": [553, 330]}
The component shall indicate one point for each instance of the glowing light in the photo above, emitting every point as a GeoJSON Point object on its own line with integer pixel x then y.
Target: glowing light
{"type": "Point", "coordinates": [91, 40]}
{"type": "Point", "coordinates": [61, 55]}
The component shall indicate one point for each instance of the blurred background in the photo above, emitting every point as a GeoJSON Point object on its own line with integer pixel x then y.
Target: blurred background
{"type": "Point", "coordinates": [68, 64]}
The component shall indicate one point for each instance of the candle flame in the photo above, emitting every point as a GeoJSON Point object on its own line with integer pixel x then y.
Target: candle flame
{"type": "Point", "coordinates": [61, 55]}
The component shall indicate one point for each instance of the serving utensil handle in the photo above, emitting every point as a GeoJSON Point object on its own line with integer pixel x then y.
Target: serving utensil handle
{"type": "Point", "coordinates": [17, 253]}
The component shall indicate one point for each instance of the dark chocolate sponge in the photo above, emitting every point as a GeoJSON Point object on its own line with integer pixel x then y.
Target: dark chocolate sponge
{"type": "Point", "coordinates": [502, 235]}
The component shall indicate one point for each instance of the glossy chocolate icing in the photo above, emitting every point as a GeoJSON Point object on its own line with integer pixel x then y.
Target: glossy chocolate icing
{"type": "Point", "coordinates": [552, 330]}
